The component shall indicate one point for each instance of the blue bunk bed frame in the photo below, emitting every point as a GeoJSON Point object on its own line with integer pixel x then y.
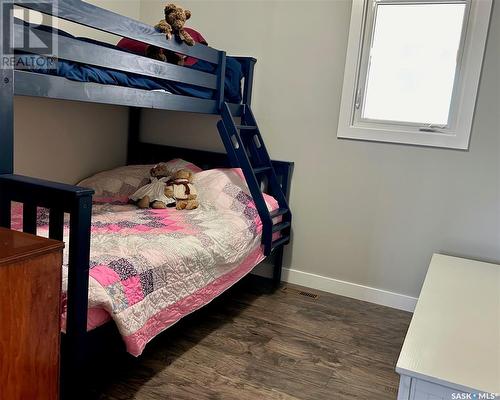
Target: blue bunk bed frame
{"type": "Point", "coordinates": [243, 150]}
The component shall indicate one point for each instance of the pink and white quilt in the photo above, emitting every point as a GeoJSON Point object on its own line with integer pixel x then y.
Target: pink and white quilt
{"type": "Point", "coordinates": [149, 268]}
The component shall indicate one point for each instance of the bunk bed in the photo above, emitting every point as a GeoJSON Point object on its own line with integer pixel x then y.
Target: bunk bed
{"type": "Point", "coordinates": [237, 127]}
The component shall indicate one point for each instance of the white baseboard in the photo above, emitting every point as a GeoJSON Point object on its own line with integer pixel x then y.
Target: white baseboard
{"type": "Point", "coordinates": [349, 289]}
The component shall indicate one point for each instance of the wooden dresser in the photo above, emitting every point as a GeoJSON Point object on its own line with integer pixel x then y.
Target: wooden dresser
{"type": "Point", "coordinates": [30, 297]}
{"type": "Point", "coordinates": [452, 349]}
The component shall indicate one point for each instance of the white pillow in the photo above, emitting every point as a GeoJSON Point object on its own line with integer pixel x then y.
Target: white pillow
{"type": "Point", "coordinates": [119, 183]}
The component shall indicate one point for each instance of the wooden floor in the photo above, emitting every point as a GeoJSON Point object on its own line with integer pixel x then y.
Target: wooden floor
{"type": "Point", "coordinates": [255, 344]}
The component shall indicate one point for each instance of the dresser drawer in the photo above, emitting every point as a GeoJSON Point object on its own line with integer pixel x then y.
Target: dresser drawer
{"type": "Point", "coordinates": [30, 297]}
{"type": "Point", "coordinates": [419, 389]}
{"type": "Point", "coordinates": [422, 390]}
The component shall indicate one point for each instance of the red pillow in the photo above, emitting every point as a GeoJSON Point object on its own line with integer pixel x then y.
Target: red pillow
{"type": "Point", "coordinates": [133, 46]}
{"type": "Point", "coordinates": [140, 48]}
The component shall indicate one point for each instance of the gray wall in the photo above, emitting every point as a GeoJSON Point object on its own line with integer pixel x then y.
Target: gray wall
{"type": "Point", "coordinates": [67, 141]}
{"type": "Point", "coordinates": [365, 212]}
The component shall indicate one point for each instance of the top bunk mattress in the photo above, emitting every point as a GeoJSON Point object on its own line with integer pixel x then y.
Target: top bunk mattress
{"type": "Point", "coordinates": [149, 268]}
{"type": "Point", "coordinates": [95, 74]}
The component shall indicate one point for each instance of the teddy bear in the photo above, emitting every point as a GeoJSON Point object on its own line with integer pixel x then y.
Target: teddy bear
{"type": "Point", "coordinates": [181, 188]}
{"type": "Point", "coordinates": [153, 194]}
{"type": "Point", "coordinates": [165, 55]}
{"type": "Point", "coordinates": [175, 18]}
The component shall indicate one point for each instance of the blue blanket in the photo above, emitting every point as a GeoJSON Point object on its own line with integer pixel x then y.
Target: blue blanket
{"type": "Point", "coordinates": [88, 73]}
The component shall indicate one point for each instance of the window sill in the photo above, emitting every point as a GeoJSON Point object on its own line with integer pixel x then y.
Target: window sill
{"type": "Point", "coordinates": [455, 140]}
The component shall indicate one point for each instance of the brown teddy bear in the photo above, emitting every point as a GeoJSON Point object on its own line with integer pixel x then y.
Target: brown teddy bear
{"type": "Point", "coordinates": [164, 55]}
{"type": "Point", "coordinates": [175, 18]}
{"type": "Point", "coordinates": [181, 188]}
{"type": "Point", "coordinates": [153, 194]}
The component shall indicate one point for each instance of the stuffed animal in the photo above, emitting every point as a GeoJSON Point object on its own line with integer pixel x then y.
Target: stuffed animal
{"type": "Point", "coordinates": [165, 55]}
{"type": "Point", "coordinates": [153, 194]}
{"type": "Point", "coordinates": [175, 18]}
{"type": "Point", "coordinates": [181, 188]}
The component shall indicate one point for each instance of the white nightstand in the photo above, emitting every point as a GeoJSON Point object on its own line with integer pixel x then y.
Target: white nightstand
{"type": "Point", "coordinates": [452, 348]}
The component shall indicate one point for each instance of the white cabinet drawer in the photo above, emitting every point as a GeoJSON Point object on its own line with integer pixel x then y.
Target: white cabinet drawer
{"type": "Point", "coordinates": [422, 390]}
{"type": "Point", "coordinates": [417, 389]}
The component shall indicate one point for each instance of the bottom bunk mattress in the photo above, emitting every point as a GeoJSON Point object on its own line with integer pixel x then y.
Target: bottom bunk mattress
{"type": "Point", "coordinates": [149, 268]}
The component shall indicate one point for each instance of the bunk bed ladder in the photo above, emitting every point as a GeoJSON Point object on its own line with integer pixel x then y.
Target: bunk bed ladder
{"type": "Point", "coordinates": [246, 150]}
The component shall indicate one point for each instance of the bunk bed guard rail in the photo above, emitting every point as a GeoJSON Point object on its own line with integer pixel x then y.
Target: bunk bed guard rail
{"type": "Point", "coordinates": [88, 15]}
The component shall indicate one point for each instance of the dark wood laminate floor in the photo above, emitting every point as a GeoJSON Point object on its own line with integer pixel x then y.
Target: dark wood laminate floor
{"type": "Point", "coordinates": [252, 343]}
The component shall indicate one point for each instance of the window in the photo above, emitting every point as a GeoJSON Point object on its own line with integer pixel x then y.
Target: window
{"type": "Point", "coordinates": [412, 71]}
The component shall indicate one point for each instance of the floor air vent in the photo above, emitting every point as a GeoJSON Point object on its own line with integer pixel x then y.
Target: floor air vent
{"type": "Point", "coordinates": [300, 292]}
{"type": "Point", "coordinates": [390, 389]}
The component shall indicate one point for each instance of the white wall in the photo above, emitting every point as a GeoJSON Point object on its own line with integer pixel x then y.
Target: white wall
{"type": "Point", "coordinates": [367, 213]}
{"type": "Point", "coordinates": [67, 141]}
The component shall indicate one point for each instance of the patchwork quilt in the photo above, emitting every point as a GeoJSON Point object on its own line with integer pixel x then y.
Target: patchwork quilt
{"type": "Point", "coordinates": [149, 268]}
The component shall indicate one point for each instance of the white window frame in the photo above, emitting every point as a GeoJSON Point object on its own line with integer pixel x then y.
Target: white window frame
{"type": "Point", "coordinates": [456, 133]}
